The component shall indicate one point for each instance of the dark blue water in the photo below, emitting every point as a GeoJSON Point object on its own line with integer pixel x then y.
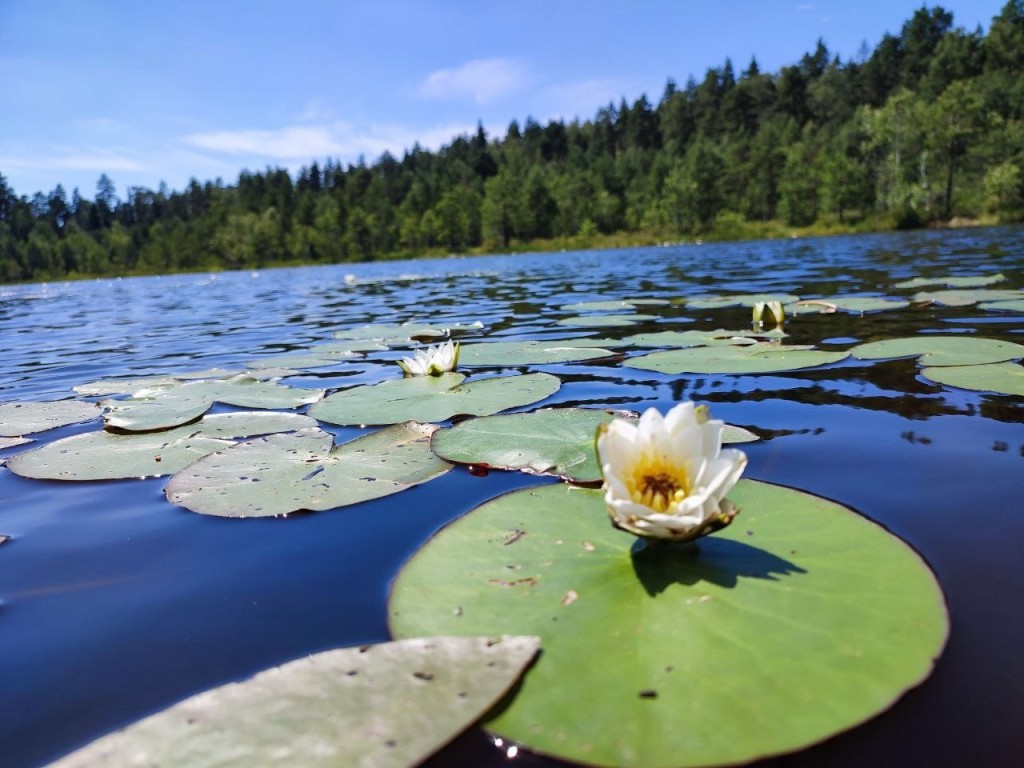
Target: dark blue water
{"type": "Point", "coordinates": [114, 603]}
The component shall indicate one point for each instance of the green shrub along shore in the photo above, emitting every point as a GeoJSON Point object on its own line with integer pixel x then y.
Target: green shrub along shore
{"type": "Point", "coordinates": [926, 129]}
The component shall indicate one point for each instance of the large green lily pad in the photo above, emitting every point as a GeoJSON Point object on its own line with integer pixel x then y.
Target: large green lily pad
{"type": "Point", "coordinates": [165, 407]}
{"type": "Point", "coordinates": [432, 398]}
{"type": "Point", "coordinates": [534, 352]}
{"type": "Point", "coordinates": [612, 305]}
{"type": "Point", "coordinates": [738, 300]}
{"type": "Point", "coordinates": [1013, 305]}
{"type": "Point", "coordinates": [129, 384]}
{"type": "Point", "coordinates": [965, 297]}
{"type": "Point", "coordinates": [600, 321]}
{"type": "Point", "coordinates": [556, 441]}
{"type": "Point", "coordinates": [391, 704]}
{"type": "Point", "coordinates": [754, 358]}
{"type": "Point", "coordinates": [17, 419]}
{"type": "Point", "coordinates": [800, 620]}
{"type": "Point", "coordinates": [106, 456]}
{"type": "Point", "coordinates": [854, 304]}
{"type": "Point", "coordinates": [971, 281]}
{"type": "Point", "coordinates": [1003, 378]}
{"type": "Point", "coordinates": [941, 350]}
{"type": "Point", "coordinates": [293, 471]}
{"type": "Point", "coordinates": [551, 441]}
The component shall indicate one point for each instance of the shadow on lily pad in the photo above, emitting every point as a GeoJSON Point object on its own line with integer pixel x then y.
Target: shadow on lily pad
{"type": "Point", "coordinates": [660, 564]}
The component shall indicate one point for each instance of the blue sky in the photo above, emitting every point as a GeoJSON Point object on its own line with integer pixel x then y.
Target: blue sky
{"type": "Point", "coordinates": [164, 91]}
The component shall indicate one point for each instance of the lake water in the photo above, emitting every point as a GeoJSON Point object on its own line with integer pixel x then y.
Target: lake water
{"type": "Point", "coordinates": [114, 603]}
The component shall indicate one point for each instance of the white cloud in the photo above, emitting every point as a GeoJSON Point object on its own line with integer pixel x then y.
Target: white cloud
{"type": "Point", "coordinates": [82, 159]}
{"type": "Point", "coordinates": [483, 80]}
{"type": "Point", "coordinates": [304, 143]}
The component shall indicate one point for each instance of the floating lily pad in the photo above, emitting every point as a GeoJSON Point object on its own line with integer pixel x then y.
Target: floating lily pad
{"type": "Point", "coordinates": [11, 442]}
{"type": "Point", "coordinates": [130, 384]}
{"type": "Point", "coordinates": [612, 305]}
{"type": "Point", "coordinates": [551, 441]}
{"type": "Point", "coordinates": [165, 407]}
{"type": "Point", "coordinates": [854, 304]}
{"type": "Point", "coordinates": [283, 473]}
{"type": "Point", "coordinates": [976, 281]}
{"type": "Point", "coordinates": [692, 338]}
{"type": "Point", "coordinates": [1015, 305]}
{"type": "Point", "coordinates": [528, 352]}
{"type": "Point", "coordinates": [405, 332]}
{"type": "Point", "coordinates": [1003, 378]}
{"type": "Point", "coordinates": [964, 298]}
{"type": "Point", "coordinates": [107, 456]}
{"type": "Point", "coordinates": [598, 321]}
{"type": "Point", "coordinates": [738, 300]}
{"type": "Point", "coordinates": [799, 621]}
{"type": "Point", "coordinates": [755, 358]}
{"type": "Point", "coordinates": [17, 419]}
{"type": "Point", "coordinates": [556, 441]}
{"type": "Point", "coordinates": [317, 356]}
{"type": "Point", "coordinates": [391, 704]}
{"type": "Point", "coordinates": [433, 398]}
{"type": "Point", "coordinates": [941, 350]}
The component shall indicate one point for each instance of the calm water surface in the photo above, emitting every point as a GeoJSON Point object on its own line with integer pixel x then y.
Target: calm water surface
{"type": "Point", "coordinates": [114, 603]}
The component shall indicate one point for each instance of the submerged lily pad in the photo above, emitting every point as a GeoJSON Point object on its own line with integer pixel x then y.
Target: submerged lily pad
{"type": "Point", "coordinates": [755, 358]}
{"type": "Point", "coordinates": [284, 473]}
{"type": "Point", "coordinates": [433, 398]}
{"type": "Point", "coordinates": [941, 350]}
{"type": "Point", "coordinates": [1002, 378]}
{"type": "Point", "coordinates": [528, 352]}
{"type": "Point", "coordinates": [106, 456]}
{"type": "Point", "coordinates": [164, 407]}
{"type": "Point", "coordinates": [964, 298]}
{"type": "Point", "coordinates": [551, 441]}
{"type": "Point", "coordinates": [738, 300]}
{"type": "Point", "coordinates": [17, 419]}
{"type": "Point", "coordinates": [854, 304]}
{"type": "Point", "coordinates": [392, 704]}
{"type": "Point", "coordinates": [800, 620]}
{"type": "Point", "coordinates": [975, 281]}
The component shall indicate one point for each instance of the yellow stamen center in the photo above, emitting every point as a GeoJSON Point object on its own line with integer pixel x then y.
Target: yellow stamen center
{"type": "Point", "coordinates": [658, 484]}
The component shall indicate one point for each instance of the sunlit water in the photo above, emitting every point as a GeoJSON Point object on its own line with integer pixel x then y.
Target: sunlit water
{"type": "Point", "coordinates": [116, 603]}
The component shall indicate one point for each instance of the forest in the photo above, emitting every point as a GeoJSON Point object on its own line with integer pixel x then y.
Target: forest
{"type": "Point", "coordinates": [926, 129]}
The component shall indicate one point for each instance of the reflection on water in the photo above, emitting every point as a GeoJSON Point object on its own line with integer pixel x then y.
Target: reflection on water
{"type": "Point", "coordinates": [115, 603]}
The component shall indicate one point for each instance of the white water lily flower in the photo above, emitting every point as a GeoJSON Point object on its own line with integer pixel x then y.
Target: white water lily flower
{"type": "Point", "coordinates": [432, 362]}
{"type": "Point", "coordinates": [774, 311]}
{"type": "Point", "coordinates": [667, 477]}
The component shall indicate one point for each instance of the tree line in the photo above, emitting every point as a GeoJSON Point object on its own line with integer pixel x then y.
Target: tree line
{"type": "Point", "coordinates": [928, 126]}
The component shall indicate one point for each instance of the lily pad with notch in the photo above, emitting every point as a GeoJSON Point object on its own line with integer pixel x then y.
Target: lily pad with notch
{"type": "Point", "coordinates": [761, 357]}
{"type": "Point", "coordinates": [550, 441]}
{"type": "Point", "coordinates": [288, 472]}
{"type": "Point", "coordinates": [533, 352]}
{"type": "Point", "coordinates": [933, 350]}
{"type": "Point", "coordinates": [1002, 378]}
{"type": "Point", "coordinates": [432, 398]}
{"type": "Point", "coordinates": [386, 705]}
{"type": "Point", "coordinates": [170, 406]}
{"type": "Point", "coordinates": [106, 456]}
{"type": "Point", "coordinates": [26, 418]}
{"type": "Point", "coordinates": [799, 621]}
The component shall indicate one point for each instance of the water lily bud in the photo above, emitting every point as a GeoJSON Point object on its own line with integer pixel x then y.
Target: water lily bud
{"type": "Point", "coordinates": [768, 313]}
{"type": "Point", "coordinates": [667, 477]}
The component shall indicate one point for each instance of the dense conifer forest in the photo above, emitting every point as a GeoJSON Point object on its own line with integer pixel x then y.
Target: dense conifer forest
{"type": "Point", "coordinates": [926, 128]}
